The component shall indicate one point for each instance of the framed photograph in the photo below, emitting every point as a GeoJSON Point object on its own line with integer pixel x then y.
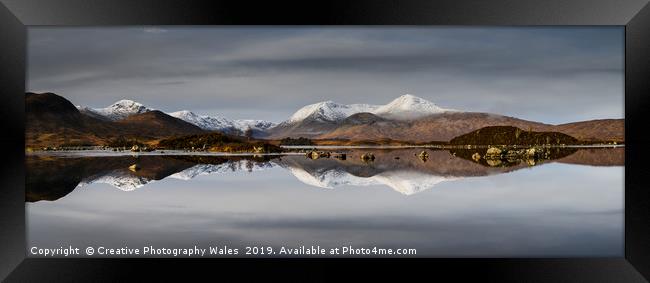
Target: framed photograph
{"type": "Point", "coordinates": [500, 141]}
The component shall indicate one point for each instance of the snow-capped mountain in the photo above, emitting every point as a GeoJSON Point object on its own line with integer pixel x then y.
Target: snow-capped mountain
{"type": "Point", "coordinates": [330, 111]}
{"type": "Point", "coordinates": [402, 108]}
{"type": "Point", "coordinates": [408, 107]}
{"type": "Point", "coordinates": [211, 123]}
{"type": "Point", "coordinates": [323, 116]}
{"type": "Point", "coordinates": [218, 123]}
{"type": "Point", "coordinates": [118, 110]}
{"type": "Point", "coordinates": [125, 108]}
{"type": "Point", "coordinates": [243, 124]}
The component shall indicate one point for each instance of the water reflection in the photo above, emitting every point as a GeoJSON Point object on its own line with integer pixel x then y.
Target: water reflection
{"type": "Point", "coordinates": [407, 171]}
{"type": "Point", "coordinates": [568, 205]}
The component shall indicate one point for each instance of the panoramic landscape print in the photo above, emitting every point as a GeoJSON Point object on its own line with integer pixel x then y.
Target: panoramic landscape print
{"type": "Point", "coordinates": [325, 142]}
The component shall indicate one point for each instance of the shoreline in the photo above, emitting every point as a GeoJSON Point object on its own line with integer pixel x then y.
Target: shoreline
{"type": "Point", "coordinates": [98, 152]}
{"type": "Point", "coordinates": [444, 146]}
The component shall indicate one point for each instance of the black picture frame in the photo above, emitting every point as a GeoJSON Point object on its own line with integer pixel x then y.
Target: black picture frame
{"type": "Point", "coordinates": [16, 15]}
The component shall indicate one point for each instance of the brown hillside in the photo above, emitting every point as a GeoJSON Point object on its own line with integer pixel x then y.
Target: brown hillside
{"type": "Point", "coordinates": [595, 130]}
{"type": "Point", "coordinates": [446, 126]}
{"type": "Point", "coordinates": [156, 124]}
{"type": "Point", "coordinates": [441, 127]}
{"type": "Point", "coordinates": [53, 121]}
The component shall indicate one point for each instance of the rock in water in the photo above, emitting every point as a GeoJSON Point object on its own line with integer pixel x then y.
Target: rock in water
{"type": "Point", "coordinates": [135, 148]}
{"type": "Point", "coordinates": [134, 167]}
{"type": "Point", "coordinates": [493, 153]}
{"type": "Point", "coordinates": [476, 156]}
{"type": "Point", "coordinates": [530, 152]}
{"type": "Point", "coordinates": [367, 157]}
{"type": "Point", "coordinates": [424, 156]}
{"type": "Point", "coordinates": [313, 155]}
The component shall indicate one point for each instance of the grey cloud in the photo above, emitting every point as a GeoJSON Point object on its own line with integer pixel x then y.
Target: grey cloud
{"type": "Point", "coordinates": [219, 69]}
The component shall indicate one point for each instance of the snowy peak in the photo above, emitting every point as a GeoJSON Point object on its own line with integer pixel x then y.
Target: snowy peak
{"type": "Point", "coordinates": [118, 110]}
{"type": "Point", "coordinates": [408, 107]}
{"type": "Point", "coordinates": [330, 111]}
{"type": "Point", "coordinates": [216, 123]}
{"type": "Point", "coordinates": [127, 104]}
{"type": "Point", "coordinates": [404, 107]}
{"type": "Point", "coordinates": [184, 113]}
{"type": "Point", "coordinates": [125, 108]}
{"type": "Point", "coordinates": [253, 124]}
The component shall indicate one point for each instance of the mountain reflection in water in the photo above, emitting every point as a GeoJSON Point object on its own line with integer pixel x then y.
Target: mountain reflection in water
{"type": "Point", "coordinates": [445, 205]}
{"type": "Point", "coordinates": [51, 178]}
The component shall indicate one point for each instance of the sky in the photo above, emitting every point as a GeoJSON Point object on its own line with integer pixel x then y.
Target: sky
{"type": "Point", "coordinates": [546, 74]}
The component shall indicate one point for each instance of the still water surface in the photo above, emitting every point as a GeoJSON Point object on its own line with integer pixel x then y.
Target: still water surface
{"type": "Point", "coordinates": [446, 206]}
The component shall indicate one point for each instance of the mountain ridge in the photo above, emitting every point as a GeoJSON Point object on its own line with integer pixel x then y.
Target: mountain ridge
{"type": "Point", "coordinates": [119, 110]}
{"type": "Point", "coordinates": [53, 119]}
{"type": "Point", "coordinates": [123, 109]}
{"type": "Point", "coordinates": [403, 107]}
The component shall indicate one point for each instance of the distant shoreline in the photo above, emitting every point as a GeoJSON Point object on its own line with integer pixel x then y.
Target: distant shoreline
{"type": "Point", "coordinates": [443, 146]}
{"type": "Point", "coordinates": [97, 151]}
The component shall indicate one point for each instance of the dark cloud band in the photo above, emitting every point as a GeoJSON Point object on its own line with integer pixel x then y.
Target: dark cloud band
{"type": "Point", "coordinates": [217, 69]}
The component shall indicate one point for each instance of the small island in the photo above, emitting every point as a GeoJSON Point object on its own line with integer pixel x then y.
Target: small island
{"type": "Point", "coordinates": [217, 142]}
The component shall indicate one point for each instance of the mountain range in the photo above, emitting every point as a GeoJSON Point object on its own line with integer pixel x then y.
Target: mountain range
{"type": "Point", "coordinates": [124, 108]}
{"type": "Point", "coordinates": [52, 119]}
{"type": "Point", "coordinates": [413, 119]}
{"type": "Point", "coordinates": [218, 123]}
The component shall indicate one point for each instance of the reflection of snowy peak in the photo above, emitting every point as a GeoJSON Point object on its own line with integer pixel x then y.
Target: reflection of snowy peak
{"type": "Point", "coordinates": [118, 110]}
{"type": "Point", "coordinates": [404, 182]}
{"type": "Point", "coordinates": [127, 182]}
{"type": "Point", "coordinates": [119, 180]}
{"type": "Point", "coordinates": [328, 178]}
{"type": "Point", "coordinates": [206, 169]}
{"type": "Point", "coordinates": [404, 107]}
{"type": "Point", "coordinates": [410, 182]}
{"type": "Point", "coordinates": [200, 169]}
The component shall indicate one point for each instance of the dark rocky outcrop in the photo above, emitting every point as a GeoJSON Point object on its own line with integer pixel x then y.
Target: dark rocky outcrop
{"type": "Point", "coordinates": [507, 135]}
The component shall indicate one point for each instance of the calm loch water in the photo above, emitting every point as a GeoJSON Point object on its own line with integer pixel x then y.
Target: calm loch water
{"type": "Point", "coordinates": [445, 206]}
